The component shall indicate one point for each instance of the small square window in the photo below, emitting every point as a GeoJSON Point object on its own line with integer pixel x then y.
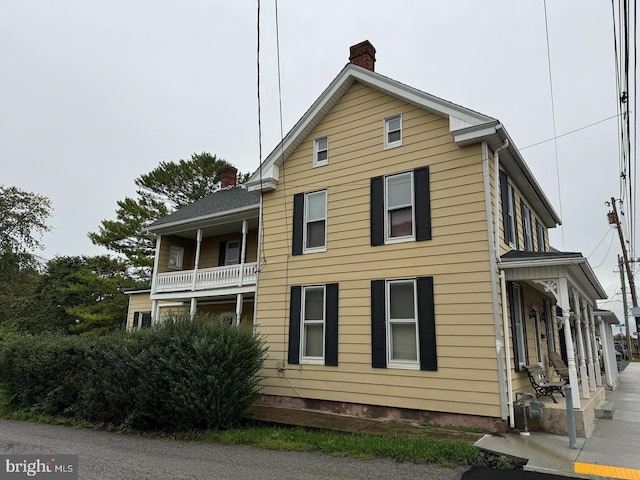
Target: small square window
{"type": "Point", "coordinates": [320, 151]}
{"type": "Point", "coordinates": [176, 255]}
{"type": "Point", "coordinates": [393, 131]}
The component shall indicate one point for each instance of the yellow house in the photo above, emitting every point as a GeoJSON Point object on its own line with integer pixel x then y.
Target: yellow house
{"type": "Point", "coordinates": [393, 251]}
{"type": "Point", "coordinates": [407, 270]}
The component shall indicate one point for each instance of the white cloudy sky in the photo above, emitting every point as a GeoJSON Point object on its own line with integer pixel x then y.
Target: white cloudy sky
{"type": "Point", "coordinates": [93, 92]}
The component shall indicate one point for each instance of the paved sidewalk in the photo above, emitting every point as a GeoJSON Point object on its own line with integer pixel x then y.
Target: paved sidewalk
{"type": "Point", "coordinates": [611, 452]}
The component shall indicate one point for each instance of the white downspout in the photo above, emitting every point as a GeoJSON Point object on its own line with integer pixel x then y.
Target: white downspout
{"type": "Point", "coordinates": [494, 280]}
{"type": "Point", "coordinates": [507, 348]}
{"type": "Point", "coordinates": [503, 282]}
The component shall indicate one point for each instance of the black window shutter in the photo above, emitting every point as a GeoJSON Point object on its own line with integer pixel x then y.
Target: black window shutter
{"type": "Point", "coordinates": [377, 211]}
{"type": "Point", "coordinates": [524, 328]}
{"type": "Point", "coordinates": [524, 234]}
{"type": "Point", "coordinates": [515, 219]}
{"type": "Point", "coordinates": [422, 203]}
{"type": "Point", "coordinates": [427, 324]}
{"type": "Point", "coordinates": [298, 223]}
{"type": "Point", "coordinates": [222, 254]}
{"type": "Point", "coordinates": [514, 342]}
{"type": "Point", "coordinates": [378, 325]}
{"type": "Point", "coordinates": [331, 325]}
{"type": "Point", "coordinates": [506, 225]}
{"type": "Point", "coordinates": [294, 325]}
{"type": "Point", "coordinates": [136, 319]}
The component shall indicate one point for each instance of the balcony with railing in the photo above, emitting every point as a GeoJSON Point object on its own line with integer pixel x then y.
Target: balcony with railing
{"type": "Point", "coordinates": [207, 278]}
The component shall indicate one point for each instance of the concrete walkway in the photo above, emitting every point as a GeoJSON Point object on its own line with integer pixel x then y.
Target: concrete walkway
{"type": "Point", "coordinates": [611, 452]}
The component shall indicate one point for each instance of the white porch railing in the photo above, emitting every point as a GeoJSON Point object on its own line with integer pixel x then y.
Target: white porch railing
{"type": "Point", "coordinates": [207, 278]}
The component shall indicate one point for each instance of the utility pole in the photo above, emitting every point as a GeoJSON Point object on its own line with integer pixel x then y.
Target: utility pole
{"type": "Point", "coordinates": [632, 286]}
{"type": "Point", "coordinates": [624, 305]}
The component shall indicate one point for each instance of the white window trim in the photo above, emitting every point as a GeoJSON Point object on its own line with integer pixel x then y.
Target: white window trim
{"type": "Point", "coordinates": [180, 258]}
{"type": "Point", "coordinates": [387, 228]}
{"type": "Point", "coordinates": [527, 228]}
{"type": "Point", "coordinates": [323, 248]}
{"type": "Point", "coordinates": [303, 322]}
{"type": "Point", "coordinates": [226, 253]}
{"type": "Point", "coordinates": [385, 124]}
{"type": "Point", "coordinates": [511, 214]}
{"type": "Point", "coordinates": [316, 150]}
{"type": "Point", "coordinates": [401, 364]}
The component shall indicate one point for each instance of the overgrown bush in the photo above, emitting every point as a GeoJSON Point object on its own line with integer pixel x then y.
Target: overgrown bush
{"type": "Point", "coordinates": [180, 375]}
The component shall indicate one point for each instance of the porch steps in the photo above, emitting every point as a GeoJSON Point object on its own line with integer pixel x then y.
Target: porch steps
{"type": "Point", "coordinates": [606, 410]}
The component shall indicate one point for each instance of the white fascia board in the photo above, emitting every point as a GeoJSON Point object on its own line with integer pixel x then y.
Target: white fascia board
{"type": "Point", "coordinates": [270, 176]}
{"type": "Point", "coordinates": [203, 218]}
{"type": "Point", "coordinates": [203, 293]}
{"type": "Point", "coordinates": [541, 262]}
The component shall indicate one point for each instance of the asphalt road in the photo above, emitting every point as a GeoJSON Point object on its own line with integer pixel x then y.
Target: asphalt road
{"type": "Point", "coordinates": [105, 456]}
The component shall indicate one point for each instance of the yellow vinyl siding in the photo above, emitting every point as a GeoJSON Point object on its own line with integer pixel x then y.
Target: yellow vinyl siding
{"type": "Point", "coordinates": [457, 257]}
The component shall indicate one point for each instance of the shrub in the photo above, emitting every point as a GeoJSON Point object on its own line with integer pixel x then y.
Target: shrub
{"type": "Point", "coordinates": [183, 374]}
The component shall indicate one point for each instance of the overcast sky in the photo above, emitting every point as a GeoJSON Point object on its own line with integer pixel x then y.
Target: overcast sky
{"type": "Point", "coordinates": [94, 93]}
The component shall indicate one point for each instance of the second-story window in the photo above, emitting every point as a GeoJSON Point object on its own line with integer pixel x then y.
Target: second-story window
{"type": "Point", "coordinates": [309, 222]}
{"type": "Point", "coordinates": [232, 256]}
{"type": "Point", "coordinates": [393, 131]}
{"type": "Point", "coordinates": [542, 246]}
{"type": "Point", "coordinates": [527, 230]}
{"type": "Point", "coordinates": [176, 255]}
{"type": "Point", "coordinates": [399, 206]}
{"type": "Point", "coordinates": [508, 201]}
{"type": "Point", "coordinates": [320, 151]}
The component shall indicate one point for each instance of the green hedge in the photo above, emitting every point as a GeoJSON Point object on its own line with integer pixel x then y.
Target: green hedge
{"type": "Point", "coordinates": [181, 375]}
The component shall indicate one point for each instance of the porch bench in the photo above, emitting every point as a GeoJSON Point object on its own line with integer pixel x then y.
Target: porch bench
{"type": "Point", "coordinates": [541, 384]}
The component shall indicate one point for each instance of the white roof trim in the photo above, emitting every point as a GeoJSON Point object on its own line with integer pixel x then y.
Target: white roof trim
{"type": "Point", "coordinates": [202, 218]}
{"type": "Point", "coordinates": [463, 117]}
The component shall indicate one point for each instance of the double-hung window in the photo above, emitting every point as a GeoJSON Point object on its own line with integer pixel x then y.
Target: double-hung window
{"type": "Point", "coordinates": [542, 246]}
{"type": "Point", "coordinates": [176, 255]}
{"type": "Point", "coordinates": [401, 207]}
{"type": "Point", "coordinates": [403, 328]}
{"type": "Point", "coordinates": [393, 131]}
{"type": "Point", "coordinates": [402, 324]}
{"type": "Point", "coordinates": [527, 230]}
{"type": "Point", "coordinates": [313, 325]}
{"type": "Point", "coordinates": [309, 222]}
{"type": "Point", "coordinates": [232, 256]}
{"type": "Point", "coordinates": [518, 327]}
{"type": "Point", "coordinates": [320, 151]}
{"type": "Point", "coordinates": [509, 221]}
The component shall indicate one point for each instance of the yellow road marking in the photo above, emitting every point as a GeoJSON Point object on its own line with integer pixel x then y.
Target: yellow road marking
{"type": "Point", "coordinates": [606, 471]}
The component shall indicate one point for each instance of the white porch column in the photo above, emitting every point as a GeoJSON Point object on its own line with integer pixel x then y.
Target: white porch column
{"type": "Point", "coordinates": [194, 306]}
{"type": "Point", "coordinates": [594, 343]}
{"type": "Point", "coordinates": [610, 364]}
{"type": "Point", "coordinates": [238, 308]}
{"type": "Point", "coordinates": [563, 303]}
{"type": "Point", "coordinates": [588, 335]}
{"type": "Point", "coordinates": [243, 252]}
{"type": "Point", "coordinates": [154, 273]}
{"type": "Point", "coordinates": [197, 260]}
{"type": "Point", "coordinates": [154, 312]}
{"type": "Point", "coordinates": [584, 380]}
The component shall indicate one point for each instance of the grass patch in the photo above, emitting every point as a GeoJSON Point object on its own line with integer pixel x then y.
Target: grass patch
{"type": "Point", "coordinates": [399, 448]}
{"type": "Point", "coordinates": [416, 449]}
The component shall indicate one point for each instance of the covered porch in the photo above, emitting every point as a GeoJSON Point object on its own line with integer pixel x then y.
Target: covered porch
{"type": "Point", "coordinates": [560, 289]}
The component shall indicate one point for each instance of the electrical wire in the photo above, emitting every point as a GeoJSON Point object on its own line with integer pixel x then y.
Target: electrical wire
{"type": "Point", "coordinates": [553, 116]}
{"type": "Point", "coordinates": [609, 232]}
{"type": "Point", "coordinates": [606, 255]}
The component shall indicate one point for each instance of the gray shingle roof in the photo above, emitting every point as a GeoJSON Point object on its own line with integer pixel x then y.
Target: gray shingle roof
{"type": "Point", "coordinates": [218, 202]}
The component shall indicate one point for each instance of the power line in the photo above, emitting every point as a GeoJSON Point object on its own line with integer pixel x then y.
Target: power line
{"type": "Point", "coordinates": [553, 116]}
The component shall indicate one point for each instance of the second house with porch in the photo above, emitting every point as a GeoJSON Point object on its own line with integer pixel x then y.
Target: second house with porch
{"type": "Point", "coordinates": [206, 258]}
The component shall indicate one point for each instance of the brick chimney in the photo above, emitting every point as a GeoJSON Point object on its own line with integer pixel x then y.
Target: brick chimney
{"type": "Point", "coordinates": [363, 54]}
{"type": "Point", "coordinates": [228, 177]}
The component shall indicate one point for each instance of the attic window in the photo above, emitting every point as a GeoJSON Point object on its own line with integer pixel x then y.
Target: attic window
{"type": "Point", "coordinates": [320, 151]}
{"type": "Point", "coordinates": [393, 131]}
